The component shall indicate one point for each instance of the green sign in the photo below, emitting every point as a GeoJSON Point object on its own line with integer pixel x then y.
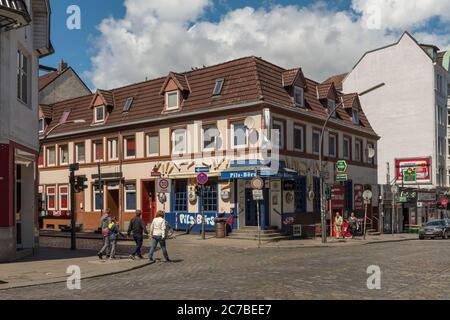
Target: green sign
{"type": "Point", "coordinates": [409, 175]}
{"type": "Point", "coordinates": [341, 177]}
{"type": "Point", "coordinates": [341, 166]}
{"type": "Point", "coordinates": [403, 199]}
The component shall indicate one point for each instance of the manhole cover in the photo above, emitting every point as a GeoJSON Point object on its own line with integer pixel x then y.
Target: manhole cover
{"type": "Point", "coordinates": [3, 282]}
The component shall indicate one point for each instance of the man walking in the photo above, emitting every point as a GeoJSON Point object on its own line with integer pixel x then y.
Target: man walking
{"type": "Point", "coordinates": [137, 228]}
{"type": "Point", "coordinates": [158, 235]}
{"type": "Point", "coordinates": [105, 220]}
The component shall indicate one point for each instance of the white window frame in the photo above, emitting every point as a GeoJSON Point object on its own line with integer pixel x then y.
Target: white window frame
{"type": "Point", "coordinates": [60, 194]}
{"type": "Point", "coordinates": [147, 143]}
{"type": "Point", "coordinates": [175, 133]}
{"type": "Point", "coordinates": [103, 114]}
{"type": "Point", "coordinates": [349, 148]}
{"type": "Point", "coordinates": [318, 141]}
{"type": "Point", "coordinates": [238, 146]}
{"type": "Point", "coordinates": [167, 100]}
{"type": "Point", "coordinates": [60, 148]}
{"type": "Point", "coordinates": [47, 194]}
{"type": "Point", "coordinates": [94, 151]}
{"type": "Point", "coordinates": [77, 145]}
{"type": "Point", "coordinates": [41, 125]}
{"type": "Point", "coordinates": [358, 150]}
{"type": "Point", "coordinates": [302, 129]}
{"type": "Point", "coordinates": [214, 128]}
{"type": "Point", "coordinates": [302, 93]}
{"type": "Point", "coordinates": [281, 136]}
{"type": "Point", "coordinates": [335, 136]}
{"type": "Point", "coordinates": [23, 72]}
{"type": "Point", "coordinates": [113, 146]}
{"type": "Point", "coordinates": [47, 151]}
{"type": "Point", "coordinates": [126, 195]}
{"type": "Point", "coordinates": [125, 147]}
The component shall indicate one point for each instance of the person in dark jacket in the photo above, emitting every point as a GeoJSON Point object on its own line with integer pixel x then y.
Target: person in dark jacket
{"type": "Point", "coordinates": [137, 228]}
{"type": "Point", "coordinates": [105, 220]}
{"type": "Point", "coordinates": [114, 232]}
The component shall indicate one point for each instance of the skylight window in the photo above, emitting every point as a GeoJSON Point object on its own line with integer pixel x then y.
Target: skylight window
{"type": "Point", "coordinates": [218, 87]}
{"type": "Point", "coordinates": [65, 116]}
{"type": "Point", "coordinates": [128, 104]}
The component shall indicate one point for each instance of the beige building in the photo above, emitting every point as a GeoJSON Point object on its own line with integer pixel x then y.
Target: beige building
{"type": "Point", "coordinates": [235, 120]}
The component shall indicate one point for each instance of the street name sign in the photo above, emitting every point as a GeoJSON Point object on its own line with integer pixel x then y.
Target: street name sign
{"type": "Point", "coordinates": [204, 169]}
{"type": "Point", "coordinates": [341, 177]}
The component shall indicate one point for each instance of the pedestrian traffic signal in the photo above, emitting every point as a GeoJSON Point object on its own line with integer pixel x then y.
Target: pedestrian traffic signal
{"type": "Point", "coordinates": [329, 192]}
{"type": "Point", "coordinates": [81, 184]}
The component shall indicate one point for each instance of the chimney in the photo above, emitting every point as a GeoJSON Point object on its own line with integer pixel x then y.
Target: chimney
{"type": "Point", "coordinates": [62, 66]}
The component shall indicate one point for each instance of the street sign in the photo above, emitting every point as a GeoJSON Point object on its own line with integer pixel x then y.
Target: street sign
{"type": "Point", "coordinates": [341, 166]}
{"type": "Point", "coordinates": [341, 177]}
{"type": "Point", "coordinates": [257, 184]}
{"type": "Point", "coordinates": [367, 195]}
{"type": "Point", "coordinates": [409, 175]}
{"type": "Point", "coordinates": [204, 169]}
{"type": "Point", "coordinates": [202, 178]}
{"type": "Point", "coordinates": [163, 186]}
{"type": "Point", "coordinates": [258, 195]}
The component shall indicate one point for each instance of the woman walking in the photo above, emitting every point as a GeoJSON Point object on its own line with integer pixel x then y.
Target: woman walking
{"type": "Point", "coordinates": [158, 235]}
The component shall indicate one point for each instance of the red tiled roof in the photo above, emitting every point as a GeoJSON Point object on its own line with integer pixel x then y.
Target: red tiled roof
{"type": "Point", "coordinates": [349, 99]}
{"type": "Point", "coordinates": [246, 80]}
{"type": "Point", "coordinates": [108, 97]}
{"type": "Point", "coordinates": [48, 78]}
{"type": "Point", "coordinates": [337, 80]}
{"type": "Point", "coordinates": [323, 90]}
{"type": "Point", "coordinates": [47, 111]}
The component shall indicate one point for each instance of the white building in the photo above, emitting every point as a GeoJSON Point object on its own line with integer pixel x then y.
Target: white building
{"type": "Point", "coordinates": [404, 93]}
{"type": "Point", "coordinates": [24, 38]}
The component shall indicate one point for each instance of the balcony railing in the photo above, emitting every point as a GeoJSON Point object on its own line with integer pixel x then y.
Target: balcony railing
{"type": "Point", "coordinates": [13, 14]}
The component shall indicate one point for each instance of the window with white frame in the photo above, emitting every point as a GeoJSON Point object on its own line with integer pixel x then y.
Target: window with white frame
{"type": "Point", "coordinates": [358, 150]}
{"type": "Point", "coordinates": [210, 136]}
{"type": "Point", "coordinates": [51, 156]}
{"type": "Point", "coordinates": [152, 144]}
{"type": "Point", "coordinates": [51, 198]}
{"type": "Point", "coordinates": [346, 146]}
{"type": "Point", "coordinates": [64, 154]}
{"type": "Point", "coordinates": [22, 77]}
{"type": "Point", "coordinates": [316, 142]}
{"type": "Point", "coordinates": [172, 100]}
{"type": "Point", "coordinates": [41, 125]}
{"type": "Point", "coordinates": [112, 149]}
{"type": "Point", "coordinates": [98, 150]}
{"type": "Point", "coordinates": [240, 136]}
{"type": "Point", "coordinates": [63, 196]}
{"type": "Point", "coordinates": [130, 147]}
{"type": "Point", "coordinates": [332, 145]}
{"type": "Point", "coordinates": [331, 106]}
{"type": "Point", "coordinates": [179, 141]}
{"type": "Point", "coordinates": [80, 155]}
{"type": "Point", "coordinates": [130, 197]}
{"type": "Point", "coordinates": [299, 97]}
{"type": "Point", "coordinates": [278, 133]}
{"type": "Point", "coordinates": [299, 137]}
{"type": "Point", "coordinates": [355, 116]}
{"type": "Point", "coordinates": [99, 114]}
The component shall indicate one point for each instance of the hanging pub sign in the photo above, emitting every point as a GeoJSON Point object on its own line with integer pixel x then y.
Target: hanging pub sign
{"type": "Point", "coordinates": [413, 171]}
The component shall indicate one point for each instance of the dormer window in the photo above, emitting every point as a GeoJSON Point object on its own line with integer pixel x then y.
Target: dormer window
{"type": "Point", "coordinates": [331, 104]}
{"type": "Point", "coordinates": [41, 125]}
{"type": "Point", "coordinates": [172, 100]}
{"type": "Point", "coordinates": [218, 87]}
{"type": "Point", "coordinates": [299, 97]}
{"type": "Point", "coordinates": [355, 116]}
{"type": "Point", "coordinates": [99, 114]}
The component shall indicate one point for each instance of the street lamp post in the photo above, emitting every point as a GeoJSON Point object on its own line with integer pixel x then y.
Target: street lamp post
{"type": "Point", "coordinates": [72, 179]}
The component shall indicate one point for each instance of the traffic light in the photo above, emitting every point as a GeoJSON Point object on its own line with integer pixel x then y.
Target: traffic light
{"type": "Point", "coordinates": [81, 184]}
{"type": "Point", "coordinates": [329, 192]}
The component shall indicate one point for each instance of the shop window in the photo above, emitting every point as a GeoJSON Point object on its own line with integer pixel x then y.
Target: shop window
{"type": "Point", "coordinates": [130, 197]}
{"type": "Point", "coordinates": [210, 196]}
{"type": "Point", "coordinates": [180, 196]}
{"type": "Point", "coordinates": [63, 198]}
{"type": "Point", "coordinates": [51, 197]}
{"type": "Point", "coordinates": [300, 194]}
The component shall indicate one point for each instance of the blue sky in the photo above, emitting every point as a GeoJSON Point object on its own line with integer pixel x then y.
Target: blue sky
{"type": "Point", "coordinates": [91, 51]}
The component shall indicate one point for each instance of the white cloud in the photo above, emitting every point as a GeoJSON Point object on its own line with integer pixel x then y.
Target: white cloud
{"type": "Point", "coordinates": [157, 36]}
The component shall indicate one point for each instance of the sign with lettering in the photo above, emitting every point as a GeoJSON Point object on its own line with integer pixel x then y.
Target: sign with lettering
{"type": "Point", "coordinates": [238, 175]}
{"type": "Point", "coordinates": [338, 194]}
{"type": "Point", "coordinates": [413, 171]}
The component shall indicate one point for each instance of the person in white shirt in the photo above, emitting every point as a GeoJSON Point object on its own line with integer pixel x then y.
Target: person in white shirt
{"type": "Point", "coordinates": [158, 235]}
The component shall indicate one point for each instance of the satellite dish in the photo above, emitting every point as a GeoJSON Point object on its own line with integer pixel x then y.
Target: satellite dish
{"type": "Point", "coordinates": [370, 152]}
{"type": "Point", "coordinates": [250, 122]}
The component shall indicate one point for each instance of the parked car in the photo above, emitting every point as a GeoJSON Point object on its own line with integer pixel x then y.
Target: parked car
{"type": "Point", "coordinates": [435, 229]}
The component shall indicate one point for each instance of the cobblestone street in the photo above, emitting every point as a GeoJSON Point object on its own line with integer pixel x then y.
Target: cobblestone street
{"type": "Point", "coordinates": [410, 270]}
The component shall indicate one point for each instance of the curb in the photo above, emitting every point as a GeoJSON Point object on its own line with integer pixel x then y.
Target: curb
{"type": "Point", "coordinates": [56, 280]}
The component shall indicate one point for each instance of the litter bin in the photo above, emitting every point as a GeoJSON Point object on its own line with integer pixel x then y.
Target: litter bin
{"type": "Point", "coordinates": [221, 231]}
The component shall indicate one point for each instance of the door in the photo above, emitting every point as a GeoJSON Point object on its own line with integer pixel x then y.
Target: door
{"type": "Point", "coordinates": [113, 203]}
{"type": "Point", "coordinates": [251, 218]}
{"type": "Point", "coordinates": [148, 201]}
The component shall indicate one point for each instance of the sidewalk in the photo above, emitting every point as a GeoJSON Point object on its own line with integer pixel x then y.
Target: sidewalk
{"type": "Point", "coordinates": [51, 264]}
